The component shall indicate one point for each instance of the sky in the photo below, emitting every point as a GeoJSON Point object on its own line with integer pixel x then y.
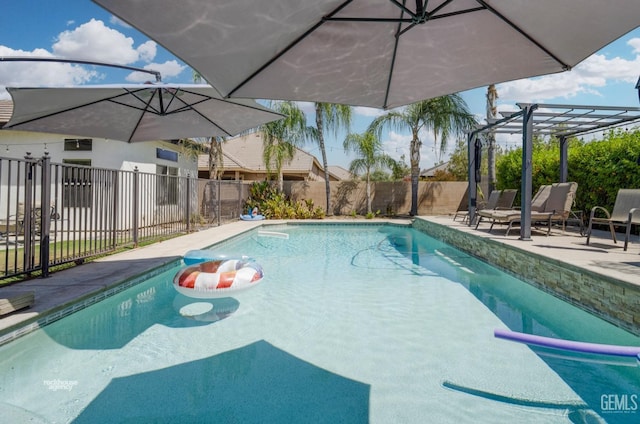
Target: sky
{"type": "Point", "coordinates": [80, 29]}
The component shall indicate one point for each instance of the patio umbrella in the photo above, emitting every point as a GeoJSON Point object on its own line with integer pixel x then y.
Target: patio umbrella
{"type": "Point", "coordinates": [134, 112]}
{"type": "Point", "coordinates": [377, 53]}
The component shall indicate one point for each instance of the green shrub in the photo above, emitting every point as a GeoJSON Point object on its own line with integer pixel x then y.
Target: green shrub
{"type": "Point", "coordinates": [371, 215]}
{"type": "Point", "coordinates": [600, 167]}
{"type": "Point", "coordinates": [273, 204]}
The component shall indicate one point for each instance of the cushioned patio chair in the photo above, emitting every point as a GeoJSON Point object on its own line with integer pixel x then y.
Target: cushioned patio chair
{"type": "Point", "coordinates": [551, 203]}
{"type": "Point", "coordinates": [503, 201]}
{"type": "Point", "coordinates": [490, 204]}
{"type": "Point", "coordinates": [626, 211]}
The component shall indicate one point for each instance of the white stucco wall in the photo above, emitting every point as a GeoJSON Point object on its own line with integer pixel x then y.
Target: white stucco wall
{"type": "Point", "coordinates": [110, 154]}
{"type": "Point", "coordinates": [106, 154]}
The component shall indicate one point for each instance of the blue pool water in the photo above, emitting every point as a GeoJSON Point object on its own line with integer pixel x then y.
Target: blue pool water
{"type": "Point", "coordinates": [351, 324]}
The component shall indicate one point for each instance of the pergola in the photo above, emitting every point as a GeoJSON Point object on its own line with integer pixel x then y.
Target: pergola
{"type": "Point", "coordinates": [557, 120]}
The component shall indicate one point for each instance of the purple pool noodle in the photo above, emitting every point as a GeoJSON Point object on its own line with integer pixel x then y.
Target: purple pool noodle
{"type": "Point", "coordinates": [602, 349]}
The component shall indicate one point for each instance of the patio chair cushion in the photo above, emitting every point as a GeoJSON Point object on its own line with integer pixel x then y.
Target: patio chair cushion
{"type": "Point", "coordinates": [539, 200]}
{"type": "Point", "coordinates": [505, 201]}
{"type": "Point", "coordinates": [498, 200]}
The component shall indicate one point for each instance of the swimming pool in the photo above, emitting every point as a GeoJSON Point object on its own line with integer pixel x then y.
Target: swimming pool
{"type": "Point", "coordinates": [352, 323]}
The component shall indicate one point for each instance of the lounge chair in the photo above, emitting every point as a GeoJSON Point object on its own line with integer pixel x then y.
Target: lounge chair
{"type": "Point", "coordinates": [491, 203]}
{"type": "Point", "coordinates": [503, 201]}
{"type": "Point", "coordinates": [550, 204]}
{"type": "Point", "coordinates": [463, 210]}
{"type": "Point", "coordinates": [506, 199]}
{"type": "Point", "coordinates": [626, 211]}
{"type": "Point", "coordinates": [463, 207]}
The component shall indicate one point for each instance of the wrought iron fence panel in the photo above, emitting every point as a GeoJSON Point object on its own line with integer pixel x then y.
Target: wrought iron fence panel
{"type": "Point", "coordinates": [18, 194]}
{"type": "Point", "coordinates": [220, 202]}
{"type": "Point", "coordinates": [52, 213]}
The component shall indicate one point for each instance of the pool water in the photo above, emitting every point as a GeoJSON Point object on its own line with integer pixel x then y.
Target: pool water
{"type": "Point", "coordinates": [351, 324]}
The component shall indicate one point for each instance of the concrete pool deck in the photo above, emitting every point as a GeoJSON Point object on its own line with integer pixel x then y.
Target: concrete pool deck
{"type": "Point", "coordinates": [64, 289]}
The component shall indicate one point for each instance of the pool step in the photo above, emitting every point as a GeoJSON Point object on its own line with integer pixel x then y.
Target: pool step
{"type": "Point", "coordinates": [403, 261]}
{"type": "Point", "coordinates": [14, 301]}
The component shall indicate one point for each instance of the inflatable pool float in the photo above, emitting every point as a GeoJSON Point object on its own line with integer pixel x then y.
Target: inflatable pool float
{"type": "Point", "coordinates": [197, 256]}
{"type": "Point", "coordinates": [251, 217]}
{"type": "Point", "coordinates": [217, 278]}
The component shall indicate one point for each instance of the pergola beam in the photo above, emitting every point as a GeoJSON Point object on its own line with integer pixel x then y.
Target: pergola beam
{"type": "Point", "coordinates": [559, 120]}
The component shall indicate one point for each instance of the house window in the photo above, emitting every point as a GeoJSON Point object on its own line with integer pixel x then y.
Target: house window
{"type": "Point", "coordinates": [78, 144]}
{"type": "Point", "coordinates": [167, 155]}
{"type": "Point", "coordinates": [167, 187]}
{"type": "Point", "coordinates": [77, 190]}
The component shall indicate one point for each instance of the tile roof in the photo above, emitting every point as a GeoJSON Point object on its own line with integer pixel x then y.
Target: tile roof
{"type": "Point", "coordinates": [245, 153]}
{"type": "Point", "coordinates": [428, 173]}
{"type": "Point", "coordinates": [339, 172]}
{"type": "Point", "coordinates": [6, 109]}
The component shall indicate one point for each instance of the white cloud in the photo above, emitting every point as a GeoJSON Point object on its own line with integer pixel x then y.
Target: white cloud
{"type": "Point", "coordinates": [397, 144]}
{"type": "Point", "coordinates": [589, 76]}
{"type": "Point", "coordinates": [91, 41]}
{"type": "Point", "coordinates": [38, 74]}
{"type": "Point", "coordinates": [113, 20]}
{"type": "Point", "coordinates": [95, 41]}
{"type": "Point", "coordinates": [168, 70]}
{"type": "Point", "coordinates": [635, 43]}
{"type": "Point", "coordinates": [307, 107]}
{"type": "Point", "coordinates": [509, 141]}
{"type": "Point", "coordinates": [368, 111]}
{"type": "Point", "coordinates": [147, 51]}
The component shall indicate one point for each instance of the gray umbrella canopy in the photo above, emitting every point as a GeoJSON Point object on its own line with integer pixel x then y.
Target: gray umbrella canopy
{"type": "Point", "coordinates": [378, 53]}
{"type": "Point", "coordinates": [135, 112]}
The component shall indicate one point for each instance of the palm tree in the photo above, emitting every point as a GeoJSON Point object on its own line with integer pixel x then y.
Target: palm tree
{"type": "Point", "coordinates": [444, 116]}
{"type": "Point", "coordinates": [282, 137]}
{"type": "Point", "coordinates": [371, 157]}
{"type": "Point", "coordinates": [196, 77]}
{"type": "Point", "coordinates": [215, 159]}
{"type": "Point", "coordinates": [492, 113]}
{"type": "Point", "coordinates": [329, 117]}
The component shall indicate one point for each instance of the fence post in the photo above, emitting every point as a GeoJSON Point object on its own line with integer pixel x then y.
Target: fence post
{"type": "Point", "coordinates": [136, 184]}
{"type": "Point", "coordinates": [115, 207]}
{"type": "Point", "coordinates": [240, 207]}
{"type": "Point", "coordinates": [188, 203]}
{"type": "Point", "coordinates": [28, 212]}
{"type": "Point", "coordinates": [218, 200]}
{"type": "Point", "coordinates": [45, 214]}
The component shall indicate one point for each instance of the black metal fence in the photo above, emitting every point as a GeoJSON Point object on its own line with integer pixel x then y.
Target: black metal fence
{"type": "Point", "coordinates": [51, 213]}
